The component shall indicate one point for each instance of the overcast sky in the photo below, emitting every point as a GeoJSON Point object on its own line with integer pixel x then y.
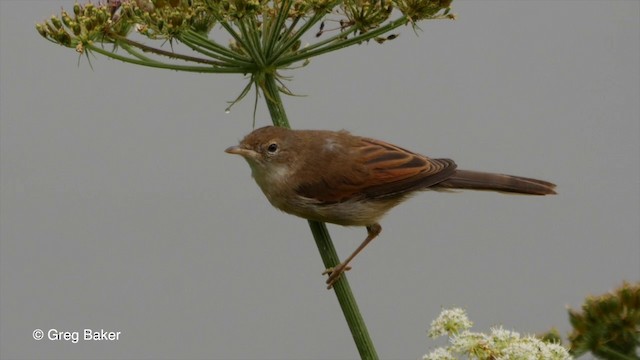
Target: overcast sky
{"type": "Point", "coordinates": [121, 211]}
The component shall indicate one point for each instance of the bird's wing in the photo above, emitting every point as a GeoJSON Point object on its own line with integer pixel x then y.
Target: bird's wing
{"type": "Point", "coordinates": [396, 171]}
{"type": "Point", "coordinates": [374, 169]}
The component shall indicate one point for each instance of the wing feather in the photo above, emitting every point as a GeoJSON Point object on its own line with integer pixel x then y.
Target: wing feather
{"type": "Point", "coordinates": [374, 169]}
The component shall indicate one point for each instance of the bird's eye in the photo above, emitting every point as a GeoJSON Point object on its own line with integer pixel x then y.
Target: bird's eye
{"type": "Point", "coordinates": [272, 148]}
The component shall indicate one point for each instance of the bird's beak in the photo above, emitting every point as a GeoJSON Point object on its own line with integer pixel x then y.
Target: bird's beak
{"type": "Point", "coordinates": [237, 150]}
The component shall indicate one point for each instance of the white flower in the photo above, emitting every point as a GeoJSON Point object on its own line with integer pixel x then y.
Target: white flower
{"type": "Point", "coordinates": [499, 334]}
{"type": "Point", "coordinates": [555, 352]}
{"type": "Point", "coordinates": [451, 321]}
{"type": "Point", "coordinates": [439, 354]}
{"type": "Point", "coordinates": [499, 344]}
{"type": "Point", "coordinates": [520, 350]}
{"type": "Point", "coordinates": [500, 338]}
{"type": "Point", "coordinates": [465, 341]}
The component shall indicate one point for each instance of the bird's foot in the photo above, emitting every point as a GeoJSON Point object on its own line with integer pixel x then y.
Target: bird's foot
{"type": "Point", "coordinates": [334, 273]}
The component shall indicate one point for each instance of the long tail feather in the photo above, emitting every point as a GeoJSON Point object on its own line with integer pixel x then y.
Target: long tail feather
{"type": "Point", "coordinates": [475, 180]}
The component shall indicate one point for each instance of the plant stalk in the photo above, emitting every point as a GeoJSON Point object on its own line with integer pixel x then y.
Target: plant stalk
{"type": "Point", "coordinates": [323, 240]}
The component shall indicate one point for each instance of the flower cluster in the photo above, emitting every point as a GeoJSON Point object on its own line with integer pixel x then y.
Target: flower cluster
{"type": "Point", "coordinates": [167, 20]}
{"type": "Point", "coordinates": [243, 19]}
{"type": "Point", "coordinates": [609, 324]}
{"type": "Point", "coordinates": [106, 22]}
{"type": "Point", "coordinates": [499, 344]}
{"type": "Point", "coordinates": [264, 36]}
{"type": "Point", "coordinates": [87, 23]}
{"type": "Point", "coordinates": [451, 321]}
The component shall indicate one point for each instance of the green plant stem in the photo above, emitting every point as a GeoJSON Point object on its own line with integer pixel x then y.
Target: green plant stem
{"type": "Point", "coordinates": [323, 241]}
{"type": "Point", "coordinates": [272, 27]}
{"type": "Point", "coordinates": [168, 54]}
{"type": "Point", "coordinates": [343, 292]}
{"type": "Point", "coordinates": [138, 61]}
{"type": "Point", "coordinates": [209, 48]}
{"type": "Point", "coordinates": [269, 87]}
{"type": "Point", "coordinates": [336, 42]}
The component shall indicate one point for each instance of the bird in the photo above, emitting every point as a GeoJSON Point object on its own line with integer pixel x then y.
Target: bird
{"type": "Point", "coordinates": [339, 178]}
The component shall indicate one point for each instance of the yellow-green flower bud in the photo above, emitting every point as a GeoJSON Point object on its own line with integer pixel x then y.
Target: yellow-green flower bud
{"type": "Point", "coordinates": [66, 19]}
{"type": "Point", "coordinates": [101, 16]}
{"type": "Point", "coordinates": [89, 9]}
{"type": "Point", "coordinates": [76, 28]}
{"type": "Point", "coordinates": [76, 9]}
{"type": "Point", "coordinates": [252, 5]}
{"type": "Point", "coordinates": [41, 29]}
{"type": "Point", "coordinates": [88, 24]}
{"type": "Point", "coordinates": [203, 23]}
{"type": "Point", "coordinates": [176, 19]}
{"type": "Point", "coordinates": [56, 22]}
{"type": "Point", "coordinates": [137, 12]}
{"type": "Point", "coordinates": [63, 38]}
{"type": "Point", "coordinates": [51, 30]}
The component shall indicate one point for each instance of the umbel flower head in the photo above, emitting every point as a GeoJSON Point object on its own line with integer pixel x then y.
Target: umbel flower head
{"type": "Point", "coordinates": [499, 344]}
{"type": "Point", "coordinates": [450, 321]}
{"type": "Point", "coordinates": [262, 35]}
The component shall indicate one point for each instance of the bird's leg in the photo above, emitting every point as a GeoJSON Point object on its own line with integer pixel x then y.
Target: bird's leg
{"type": "Point", "coordinates": [335, 272]}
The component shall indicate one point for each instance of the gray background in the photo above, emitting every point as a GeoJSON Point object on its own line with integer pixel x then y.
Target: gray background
{"type": "Point", "coordinates": [121, 211]}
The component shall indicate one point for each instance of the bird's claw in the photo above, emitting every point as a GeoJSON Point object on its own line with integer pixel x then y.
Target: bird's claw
{"type": "Point", "coordinates": [334, 274]}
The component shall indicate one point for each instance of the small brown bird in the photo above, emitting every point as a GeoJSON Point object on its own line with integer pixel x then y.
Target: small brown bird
{"type": "Point", "coordinates": [339, 178]}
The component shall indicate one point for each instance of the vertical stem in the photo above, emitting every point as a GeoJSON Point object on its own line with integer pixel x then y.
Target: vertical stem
{"type": "Point", "coordinates": [323, 240]}
{"type": "Point", "coordinates": [343, 292]}
{"type": "Point", "coordinates": [271, 92]}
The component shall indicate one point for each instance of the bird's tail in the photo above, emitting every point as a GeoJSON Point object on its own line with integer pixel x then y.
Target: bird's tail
{"type": "Point", "coordinates": [476, 180]}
